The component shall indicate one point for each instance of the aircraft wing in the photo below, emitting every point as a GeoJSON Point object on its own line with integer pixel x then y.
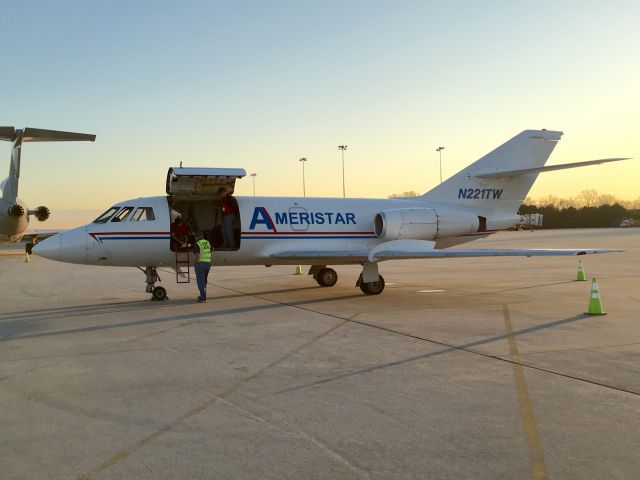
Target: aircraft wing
{"type": "Point", "coordinates": [30, 235]}
{"type": "Point", "coordinates": [408, 249]}
{"type": "Point", "coordinates": [356, 256]}
{"type": "Point", "coordinates": [404, 249]}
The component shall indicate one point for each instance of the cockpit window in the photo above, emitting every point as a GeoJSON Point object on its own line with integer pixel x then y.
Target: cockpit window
{"type": "Point", "coordinates": [122, 215]}
{"type": "Point", "coordinates": [143, 214]}
{"type": "Point", "coordinates": [104, 218]}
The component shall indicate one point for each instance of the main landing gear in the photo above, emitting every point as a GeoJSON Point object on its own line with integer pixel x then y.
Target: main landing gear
{"type": "Point", "coordinates": [158, 293]}
{"type": "Point", "coordinates": [326, 277]}
{"type": "Point", "coordinates": [370, 281]}
{"type": "Point", "coordinates": [371, 288]}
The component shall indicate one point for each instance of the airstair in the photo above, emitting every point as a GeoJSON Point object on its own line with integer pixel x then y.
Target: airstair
{"type": "Point", "coordinates": [182, 260]}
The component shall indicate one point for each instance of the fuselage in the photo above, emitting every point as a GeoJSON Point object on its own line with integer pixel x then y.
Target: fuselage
{"type": "Point", "coordinates": [266, 226]}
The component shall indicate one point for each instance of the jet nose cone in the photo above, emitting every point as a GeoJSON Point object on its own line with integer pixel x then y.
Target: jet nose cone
{"type": "Point", "coordinates": [69, 246]}
{"type": "Point", "coordinates": [49, 248]}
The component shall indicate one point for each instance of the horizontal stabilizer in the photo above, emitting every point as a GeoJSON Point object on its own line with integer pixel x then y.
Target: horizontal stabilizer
{"type": "Point", "coordinates": [550, 168]}
{"type": "Point", "coordinates": [39, 135]}
{"type": "Point", "coordinates": [405, 249]}
{"type": "Point", "coordinates": [8, 133]}
{"type": "Point", "coordinates": [18, 137]}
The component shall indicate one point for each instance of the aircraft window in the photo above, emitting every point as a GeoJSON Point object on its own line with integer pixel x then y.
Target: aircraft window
{"type": "Point", "coordinates": [122, 215]}
{"type": "Point", "coordinates": [104, 218]}
{"type": "Point", "coordinates": [143, 214]}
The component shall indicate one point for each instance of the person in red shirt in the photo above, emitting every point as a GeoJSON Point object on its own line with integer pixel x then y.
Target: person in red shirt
{"type": "Point", "coordinates": [229, 206]}
{"type": "Point", "coordinates": [179, 233]}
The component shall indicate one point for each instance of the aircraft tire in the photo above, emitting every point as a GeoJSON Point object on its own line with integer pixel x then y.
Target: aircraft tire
{"type": "Point", "coordinates": [373, 288]}
{"type": "Point", "coordinates": [326, 277]}
{"type": "Point", "coordinates": [159, 294]}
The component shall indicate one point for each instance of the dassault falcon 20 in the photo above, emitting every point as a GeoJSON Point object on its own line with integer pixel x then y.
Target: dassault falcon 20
{"type": "Point", "coordinates": [479, 200]}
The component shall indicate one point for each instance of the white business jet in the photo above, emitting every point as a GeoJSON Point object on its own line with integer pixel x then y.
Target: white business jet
{"type": "Point", "coordinates": [14, 214]}
{"type": "Point", "coordinates": [481, 199]}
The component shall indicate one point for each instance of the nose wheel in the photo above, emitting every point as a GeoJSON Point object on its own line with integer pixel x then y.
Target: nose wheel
{"type": "Point", "coordinates": [158, 293]}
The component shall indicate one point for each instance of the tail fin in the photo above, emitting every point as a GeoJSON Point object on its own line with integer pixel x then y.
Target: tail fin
{"type": "Point", "coordinates": [17, 136]}
{"type": "Point", "coordinates": [473, 186]}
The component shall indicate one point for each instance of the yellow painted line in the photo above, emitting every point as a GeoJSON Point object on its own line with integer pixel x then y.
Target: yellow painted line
{"type": "Point", "coordinates": [529, 426]}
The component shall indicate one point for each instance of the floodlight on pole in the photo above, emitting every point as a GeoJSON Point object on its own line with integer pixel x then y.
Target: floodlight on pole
{"type": "Point", "coordinates": [342, 148]}
{"type": "Point", "coordinates": [304, 188]}
{"type": "Point", "coordinates": [253, 177]}
{"type": "Point", "coordinates": [439, 150]}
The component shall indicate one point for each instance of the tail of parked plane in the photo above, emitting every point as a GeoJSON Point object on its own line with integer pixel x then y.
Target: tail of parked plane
{"type": "Point", "coordinates": [18, 136]}
{"type": "Point", "coordinates": [505, 188]}
{"type": "Point", "coordinates": [500, 181]}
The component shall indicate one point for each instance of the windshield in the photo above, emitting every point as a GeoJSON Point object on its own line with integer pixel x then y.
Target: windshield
{"type": "Point", "coordinates": [104, 218]}
{"type": "Point", "coordinates": [122, 215]}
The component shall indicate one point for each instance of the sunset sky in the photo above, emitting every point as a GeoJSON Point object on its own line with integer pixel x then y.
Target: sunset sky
{"type": "Point", "coordinates": [259, 84]}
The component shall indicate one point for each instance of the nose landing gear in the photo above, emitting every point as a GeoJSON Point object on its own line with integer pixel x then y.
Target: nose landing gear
{"type": "Point", "coordinates": [158, 293]}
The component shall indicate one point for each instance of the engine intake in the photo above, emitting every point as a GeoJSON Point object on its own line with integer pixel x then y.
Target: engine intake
{"type": "Point", "coordinates": [41, 213]}
{"type": "Point", "coordinates": [423, 223]}
{"type": "Point", "coordinates": [15, 211]}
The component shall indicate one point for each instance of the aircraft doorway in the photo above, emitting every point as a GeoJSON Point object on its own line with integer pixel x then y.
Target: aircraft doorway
{"type": "Point", "coordinates": [194, 196]}
{"type": "Point", "coordinates": [203, 216]}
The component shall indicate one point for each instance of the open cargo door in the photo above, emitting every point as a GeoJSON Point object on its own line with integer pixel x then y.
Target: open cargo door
{"type": "Point", "coordinates": [201, 181]}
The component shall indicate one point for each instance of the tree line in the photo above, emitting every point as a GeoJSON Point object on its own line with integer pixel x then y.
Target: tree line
{"type": "Point", "coordinates": [589, 209]}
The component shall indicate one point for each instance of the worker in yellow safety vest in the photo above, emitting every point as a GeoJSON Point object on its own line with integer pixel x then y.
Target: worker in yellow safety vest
{"type": "Point", "coordinates": [202, 251]}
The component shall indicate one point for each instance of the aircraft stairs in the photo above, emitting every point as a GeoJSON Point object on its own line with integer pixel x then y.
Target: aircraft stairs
{"type": "Point", "coordinates": [182, 260]}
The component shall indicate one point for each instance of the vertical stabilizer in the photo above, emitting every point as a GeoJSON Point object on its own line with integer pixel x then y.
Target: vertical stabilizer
{"type": "Point", "coordinates": [529, 149]}
{"type": "Point", "coordinates": [10, 185]}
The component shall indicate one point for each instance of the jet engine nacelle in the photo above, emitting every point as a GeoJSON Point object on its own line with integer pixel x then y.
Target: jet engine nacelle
{"type": "Point", "coordinates": [16, 210]}
{"type": "Point", "coordinates": [41, 213]}
{"type": "Point", "coordinates": [423, 223]}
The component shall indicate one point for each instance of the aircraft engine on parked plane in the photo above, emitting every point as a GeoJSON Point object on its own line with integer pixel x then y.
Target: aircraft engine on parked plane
{"type": "Point", "coordinates": [15, 211]}
{"type": "Point", "coordinates": [41, 213]}
{"type": "Point", "coordinates": [423, 223]}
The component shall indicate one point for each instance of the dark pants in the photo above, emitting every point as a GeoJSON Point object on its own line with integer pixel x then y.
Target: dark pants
{"type": "Point", "coordinates": [202, 274]}
{"type": "Point", "coordinates": [228, 236]}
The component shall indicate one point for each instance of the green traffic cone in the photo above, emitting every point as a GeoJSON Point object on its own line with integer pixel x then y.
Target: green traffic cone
{"type": "Point", "coordinates": [595, 304]}
{"type": "Point", "coordinates": [581, 276]}
{"type": "Point", "coordinates": [298, 270]}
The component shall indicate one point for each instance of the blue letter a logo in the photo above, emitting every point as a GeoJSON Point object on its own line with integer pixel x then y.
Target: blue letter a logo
{"type": "Point", "coordinates": [261, 217]}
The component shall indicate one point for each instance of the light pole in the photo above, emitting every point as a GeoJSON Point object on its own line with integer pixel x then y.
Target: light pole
{"type": "Point", "coordinates": [342, 148]}
{"type": "Point", "coordinates": [304, 188]}
{"type": "Point", "coordinates": [253, 177]}
{"type": "Point", "coordinates": [439, 150]}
